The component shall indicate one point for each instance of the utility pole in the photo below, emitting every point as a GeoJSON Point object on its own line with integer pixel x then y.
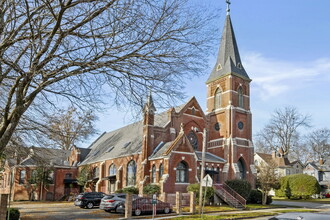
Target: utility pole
{"type": "Point", "coordinates": [202, 173]}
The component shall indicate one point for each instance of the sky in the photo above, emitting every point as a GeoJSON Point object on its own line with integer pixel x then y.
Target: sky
{"type": "Point", "coordinates": [285, 49]}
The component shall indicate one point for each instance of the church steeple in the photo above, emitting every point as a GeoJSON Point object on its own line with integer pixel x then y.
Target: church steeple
{"type": "Point", "coordinates": [149, 111]}
{"type": "Point", "coordinates": [149, 105]}
{"type": "Point", "coordinates": [228, 60]}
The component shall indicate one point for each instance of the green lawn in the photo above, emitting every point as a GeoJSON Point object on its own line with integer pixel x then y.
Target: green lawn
{"type": "Point", "coordinates": [259, 206]}
{"type": "Point", "coordinates": [324, 201]}
{"type": "Point", "coordinates": [226, 208]}
{"type": "Point", "coordinates": [249, 214]}
{"type": "Point", "coordinates": [222, 208]}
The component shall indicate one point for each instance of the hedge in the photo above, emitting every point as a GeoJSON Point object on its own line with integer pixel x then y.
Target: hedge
{"type": "Point", "coordinates": [298, 186]}
{"type": "Point", "coordinates": [129, 190]}
{"type": "Point", "coordinates": [14, 214]}
{"type": "Point", "coordinates": [255, 197]}
{"type": "Point", "coordinates": [151, 189]}
{"type": "Point", "coordinates": [242, 187]}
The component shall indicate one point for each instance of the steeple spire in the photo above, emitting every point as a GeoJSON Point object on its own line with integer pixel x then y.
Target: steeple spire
{"type": "Point", "coordinates": [228, 60]}
{"type": "Point", "coordinates": [149, 104]}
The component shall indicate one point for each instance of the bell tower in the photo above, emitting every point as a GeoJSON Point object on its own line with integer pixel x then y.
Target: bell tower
{"type": "Point", "coordinates": [228, 108]}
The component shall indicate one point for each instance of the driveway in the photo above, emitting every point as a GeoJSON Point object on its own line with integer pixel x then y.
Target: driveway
{"type": "Point", "coordinates": [310, 205]}
{"type": "Point", "coordinates": [60, 211]}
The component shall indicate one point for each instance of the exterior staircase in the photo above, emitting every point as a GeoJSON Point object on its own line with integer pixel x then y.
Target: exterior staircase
{"type": "Point", "coordinates": [230, 196]}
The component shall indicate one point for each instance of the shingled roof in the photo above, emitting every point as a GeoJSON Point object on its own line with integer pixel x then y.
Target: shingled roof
{"type": "Point", "coordinates": [280, 161]}
{"type": "Point", "coordinates": [46, 156]}
{"type": "Point", "coordinates": [229, 60]}
{"type": "Point", "coordinates": [123, 141]}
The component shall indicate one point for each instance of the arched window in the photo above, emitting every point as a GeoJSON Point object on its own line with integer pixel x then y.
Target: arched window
{"type": "Point", "coordinates": [153, 174]}
{"type": "Point", "coordinates": [112, 181]}
{"type": "Point", "coordinates": [112, 170]}
{"type": "Point", "coordinates": [242, 169]}
{"type": "Point", "coordinates": [96, 172]}
{"type": "Point", "coordinates": [34, 176]}
{"type": "Point", "coordinates": [22, 176]}
{"type": "Point", "coordinates": [131, 173]}
{"type": "Point", "coordinates": [161, 170]}
{"type": "Point", "coordinates": [217, 99]}
{"type": "Point", "coordinates": [240, 98]}
{"type": "Point", "coordinates": [182, 172]}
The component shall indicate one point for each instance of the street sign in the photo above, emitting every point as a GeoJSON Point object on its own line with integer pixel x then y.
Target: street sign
{"type": "Point", "coordinates": [207, 181]}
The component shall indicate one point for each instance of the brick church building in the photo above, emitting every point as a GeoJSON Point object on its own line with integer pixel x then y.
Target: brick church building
{"type": "Point", "coordinates": [166, 148]}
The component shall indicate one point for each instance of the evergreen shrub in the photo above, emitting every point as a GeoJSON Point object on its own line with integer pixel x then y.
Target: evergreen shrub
{"type": "Point", "coordinates": [151, 189]}
{"type": "Point", "coordinates": [298, 186]}
{"type": "Point", "coordinates": [255, 197]}
{"type": "Point", "coordinates": [14, 214]}
{"type": "Point", "coordinates": [242, 187]}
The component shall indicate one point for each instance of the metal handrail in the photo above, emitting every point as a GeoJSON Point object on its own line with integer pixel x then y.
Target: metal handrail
{"type": "Point", "coordinates": [235, 194]}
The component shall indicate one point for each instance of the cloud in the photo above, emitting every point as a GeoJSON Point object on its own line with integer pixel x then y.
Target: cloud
{"type": "Point", "coordinates": [272, 78]}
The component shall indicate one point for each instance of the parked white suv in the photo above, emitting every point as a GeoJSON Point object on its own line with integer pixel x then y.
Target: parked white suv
{"type": "Point", "coordinates": [113, 202]}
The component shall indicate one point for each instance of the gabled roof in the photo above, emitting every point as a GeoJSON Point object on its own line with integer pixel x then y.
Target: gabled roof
{"type": "Point", "coordinates": [228, 60]}
{"type": "Point", "coordinates": [312, 165]}
{"type": "Point", "coordinates": [160, 152]}
{"type": "Point", "coordinates": [266, 157]}
{"type": "Point", "coordinates": [46, 156]}
{"type": "Point", "coordinates": [83, 153]}
{"type": "Point", "coordinates": [280, 161]}
{"type": "Point", "coordinates": [124, 141]}
{"type": "Point", "coordinates": [209, 157]}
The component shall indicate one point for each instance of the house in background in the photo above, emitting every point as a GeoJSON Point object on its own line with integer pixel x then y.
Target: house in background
{"type": "Point", "coordinates": [283, 165]}
{"type": "Point", "coordinates": [321, 171]}
{"type": "Point", "coordinates": [54, 162]}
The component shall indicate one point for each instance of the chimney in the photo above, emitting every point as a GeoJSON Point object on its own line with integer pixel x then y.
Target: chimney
{"type": "Point", "coordinates": [321, 161]}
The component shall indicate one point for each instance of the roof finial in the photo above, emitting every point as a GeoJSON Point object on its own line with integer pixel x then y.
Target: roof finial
{"type": "Point", "coordinates": [228, 8]}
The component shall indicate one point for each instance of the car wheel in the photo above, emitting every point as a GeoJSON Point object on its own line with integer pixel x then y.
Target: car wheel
{"type": "Point", "coordinates": [167, 210]}
{"type": "Point", "coordinates": [90, 205]}
{"type": "Point", "coordinates": [117, 210]}
{"type": "Point", "coordinates": [137, 212]}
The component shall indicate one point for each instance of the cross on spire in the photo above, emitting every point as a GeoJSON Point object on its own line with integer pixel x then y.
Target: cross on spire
{"type": "Point", "coordinates": [228, 8]}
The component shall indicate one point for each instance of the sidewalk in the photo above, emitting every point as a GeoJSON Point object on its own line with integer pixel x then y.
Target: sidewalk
{"type": "Point", "coordinates": [220, 213]}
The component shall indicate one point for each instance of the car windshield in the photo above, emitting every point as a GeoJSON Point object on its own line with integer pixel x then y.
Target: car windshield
{"type": "Point", "coordinates": [108, 197]}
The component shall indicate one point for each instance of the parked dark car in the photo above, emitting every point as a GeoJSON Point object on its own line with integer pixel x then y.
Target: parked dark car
{"type": "Point", "coordinates": [112, 202]}
{"type": "Point", "coordinates": [89, 199]}
{"type": "Point", "coordinates": [144, 205]}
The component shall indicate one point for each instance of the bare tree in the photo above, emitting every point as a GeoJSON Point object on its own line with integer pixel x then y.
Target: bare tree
{"type": "Point", "coordinates": [69, 127]}
{"type": "Point", "coordinates": [79, 51]}
{"type": "Point", "coordinates": [319, 140]}
{"type": "Point", "coordinates": [267, 179]}
{"type": "Point", "coordinates": [282, 130]}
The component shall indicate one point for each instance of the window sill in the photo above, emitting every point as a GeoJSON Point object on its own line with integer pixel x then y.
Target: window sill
{"type": "Point", "coordinates": [181, 183]}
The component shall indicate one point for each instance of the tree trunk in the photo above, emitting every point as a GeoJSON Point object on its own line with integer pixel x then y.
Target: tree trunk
{"type": "Point", "coordinates": [264, 197]}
